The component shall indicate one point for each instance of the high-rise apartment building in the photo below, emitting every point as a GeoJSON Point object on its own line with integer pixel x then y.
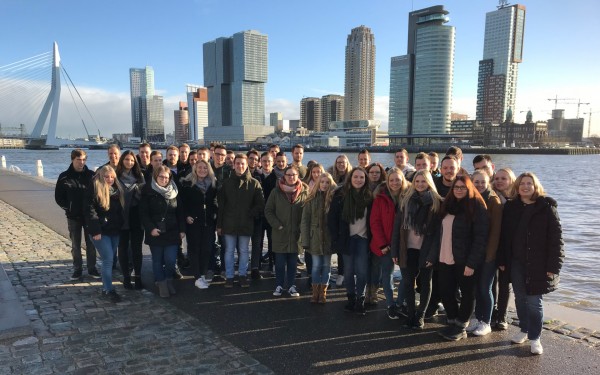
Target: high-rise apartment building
{"type": "Point", "coordinates": [359, 83]}
{"type": "Point", "coordinates": [182, 123]}
{"type": "Point", "coordinates": [421, 80]}
{"type": "Point", "coordinates": [197, 103]}
{"type": "Point", "coordinates": [147, 110]}
{"type": "Point", "coordinates": [235, 73]}
{"type": "Point", "coordinates": [276, 121]}
{"type": "Point", "coordinates": [310, 114]}
{"type": "Point", "coordinates": [332, 109]}
{"type": "Point", "coordinates": [498, 70]}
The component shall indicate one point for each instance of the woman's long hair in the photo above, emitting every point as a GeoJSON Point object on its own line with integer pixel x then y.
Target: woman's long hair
{"type": "Point", "coordinates": [470, 200]}
{"type": "Point", "coordinates": [348, 183]}
{"type": "Point", "coordinates": [382, 176]}
{"type": "Point", "coordinates": [193, 177]}
{"type": "Point", "coordinates": [336, 174]}
{"type": "Point", "coordinates": [135, 170]}
{"type": "Point", "coordinates": [308, 178]}
{"type": "Point", "coordinates": [328, 195]}
{"type": "Point", "coordinates": [437, 199]}
{"type": "Point", "coordinates": [102, 189]}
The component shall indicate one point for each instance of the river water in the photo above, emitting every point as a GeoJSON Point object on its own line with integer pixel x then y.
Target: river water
{"type": "Point", "coordinates": [578, 206]}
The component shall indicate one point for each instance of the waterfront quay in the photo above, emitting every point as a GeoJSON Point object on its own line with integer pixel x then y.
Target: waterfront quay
{"type": "Point", "coordinates": [70, 330]}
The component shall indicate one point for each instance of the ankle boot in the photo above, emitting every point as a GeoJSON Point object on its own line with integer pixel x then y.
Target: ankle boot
{"type": "Point", "coordinates": [138, 282]}
{"type": "Point", "coordinates": [171, 287]}
{"type": "Point", "coordinates": [315, 293]}
{"type": "Point", "coordinates": [127, 282]}
{"type": "Point", "coordinates": [323, 293]}
{"type": "Point", "coordinates": [351, 302]}
{"type": "Point", "coordinates": [163, 290]}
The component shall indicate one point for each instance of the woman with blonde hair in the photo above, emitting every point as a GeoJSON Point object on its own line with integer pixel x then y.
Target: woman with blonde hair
{"type": "Point", "coordinates": [531, 250]}
{"type": "Point", "coordinates": [199, 198]}
{"type": "Point", "coordinates": [315, 237]}
{"type": "Point", "coordinates": [104, 219]}
{"type": "Point", "coordinates": [504, 179]}
{"type": "Point", "coordinates": [314, 171]}
{"type": "Point", "coordinates": [385, 206]}
{"type": "Point", "coordinates": [415, 241]}
{"type": "Point", "coordinates": [340, 169]}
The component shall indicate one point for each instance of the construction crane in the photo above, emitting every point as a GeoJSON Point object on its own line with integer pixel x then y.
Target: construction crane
{"type": "Point", "coordinates": [590, 121]}
{"type": "Point", "coordinates": [557, 99]}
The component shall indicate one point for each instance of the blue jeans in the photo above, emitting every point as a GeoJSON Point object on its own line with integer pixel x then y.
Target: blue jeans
{"type": "Point", "coordinates": [283, 260]}
{"type": "Point", "coordinates": [107, 247]}
{"type": "Point", "coordinates": [321, 269]}
{"type": "Point", "coordinates": [387, 278]}
{"type": "Point", "coordinates": [231, 243]}
{"type": "Point", "coordinates": [356, 262]}
{"type": "Point", "coordinates": [529, 307]}
{"type": "Point", "coordinates": [484, 300]}
{"type": "Point", "coordinates": [163, 261]}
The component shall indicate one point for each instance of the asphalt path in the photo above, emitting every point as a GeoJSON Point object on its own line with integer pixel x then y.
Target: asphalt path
{"type": "Point", "coordinates": [292, 336]}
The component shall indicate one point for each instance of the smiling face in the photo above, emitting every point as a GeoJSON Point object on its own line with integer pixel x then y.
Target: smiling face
{"type": "Point", "coordinates": [113, 156]}
{"type": "Point", "coordinates": [374, 174]}
{"type": "Point", "coordinates": [184, 152]}
{"type": "Point", "coordinates": [219, 157]}
{"type": "Point", "coordinates": [315, 173]}
{"type": "Point", "coordinates": [298, 154]}
{"type": "Point", "coordinates": [240, 165]}
{"type": "Point", "coordinates": [163, 179]}
{"type": "Point", "coordinates": [144, 153]}
{"type": "Point", "coordinates": [324, 183]}
{"type": "Point", "coordinates": [281, 162]}
{"type": "Point", "coordinates": [502, 182]}
{"type": "Point", "coordinates": [422, 164]}
{"type": "Point", "coordinates": [526, 188]}
{"type": "Point", "coordinates": [358, 179]}
{"type": "Point", "coordinates": [364, 160]}
{"type": "Point", "coordinates": [449, 169]}
{"type": "Point", "coordinates": [109, 178]}
{"type": "Point", "coordinates": [460, 190]}
{"type": "Point", "coordinates": [266, 162]}
{"type": "Point", "coordinates": [341, 164]}
{"type": "Point", "coordinates": [79, 163]}
{"type": "Point", "coordinates": [291, 177]}
{"type": "Point", "coordinates": [172, 157]}
{"type": "Point", "coordinates": [481, 181]}
{"type": "Point", "coordinates": [128, 162]}
{"type": "Point", "coordinates": [420, 184]}
{"type": "Point", "coordinates": [394, 182]}
{"type": "Point", "coordinates": [400, 158]}
{"type": "Point", "coordinates": [201, 169]}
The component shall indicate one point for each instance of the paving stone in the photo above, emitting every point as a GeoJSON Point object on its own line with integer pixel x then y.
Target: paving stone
{"type": "Point", "coordinates": [26, 341]}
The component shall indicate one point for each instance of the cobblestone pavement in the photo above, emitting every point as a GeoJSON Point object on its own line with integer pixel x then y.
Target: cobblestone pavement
{"type": "Point", "coordinates": [77, 332]}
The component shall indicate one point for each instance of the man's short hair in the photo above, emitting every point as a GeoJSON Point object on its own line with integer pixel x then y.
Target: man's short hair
{"type": "Point", "coordinates": [402, 150]}
{"type": "Point", "coordinates": [280, 153]}
{"type": "Point", "coordinates": [78, 153]}
{"type": "Point", "coordinates": [421, 155]}
{"type": "Point", "coordinates": [145, 144]}
{"type": "Point", "coordinates": [364, 151]}
{"type": "Point", "coordinates": [172, 147]}
{"type": "Point", "coordinates": [184, 145]}
{"type": "Point", "coordinates": [481, 157]}
{"type": "Point", "coordinates": [218, 145]}
{"type": "Point", "coordinates": [252, 151]}
{"type": "Point", "coordinates": [455, 151]}
{"type": "Point", "coordinates": [156, 152]}
{"type": "Point", "coordinates": [298, 145]}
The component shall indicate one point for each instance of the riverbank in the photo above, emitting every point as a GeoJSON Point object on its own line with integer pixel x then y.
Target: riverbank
{"type": "Point", "coordinates": [246, 330]}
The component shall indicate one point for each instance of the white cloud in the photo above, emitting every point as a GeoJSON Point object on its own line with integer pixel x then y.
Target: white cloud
{"type": "Point", "coordinates": [290, 110]}
{"type": "Point", "coordinates": [382, 106]}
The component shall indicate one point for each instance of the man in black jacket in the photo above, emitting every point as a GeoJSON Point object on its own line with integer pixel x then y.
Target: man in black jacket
{"type": "Point", "coordinates": [69, 195]}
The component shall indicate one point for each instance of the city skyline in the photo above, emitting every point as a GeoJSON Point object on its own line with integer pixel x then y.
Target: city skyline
{"type": "Point", "coordinates": [557, 60]}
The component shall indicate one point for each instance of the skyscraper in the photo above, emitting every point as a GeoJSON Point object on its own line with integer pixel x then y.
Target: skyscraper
{"type": "Point", "coordinates": [147, 111]}
{"type": "Point", "coordinates": [235, 73]}
{"type": "Point", "coordinates": [276, 121]}
{"type": "Point", "coordinates": [332, 109]}
{"type": "Point", "coordinates": [182, 123]}
{"type": "Point", "coordinates": [197, 102]}
{"type": "Point", "coordinates": [502, 52]}
{"type": "Point", "coordinates": [421, 80]}
{"type": "Point", "coordinates": [310, 114]}
{"type": "Point", "coordinates": [359, 83]}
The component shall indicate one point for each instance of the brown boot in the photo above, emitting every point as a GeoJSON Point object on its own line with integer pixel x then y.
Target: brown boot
{"type": "Point", "coordinates": [371, 295]}
{"type": "Point", "coordinates": [323, 293]}
{"type": "Point", "coordinates": [315, 293]}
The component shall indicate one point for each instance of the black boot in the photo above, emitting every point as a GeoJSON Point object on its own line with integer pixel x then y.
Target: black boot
{"type": "Point", "coordinates": [138, 282]}
{"type": "Point", "coordinates": [359, 307]}
{"type": "Point", "coordinates": [351, 302]}
{"type": "Point", "coordinates": [127, 282]}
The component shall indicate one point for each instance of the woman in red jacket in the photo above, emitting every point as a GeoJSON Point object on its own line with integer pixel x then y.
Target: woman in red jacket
{"type": "Point", "coordinates": [387, 197]}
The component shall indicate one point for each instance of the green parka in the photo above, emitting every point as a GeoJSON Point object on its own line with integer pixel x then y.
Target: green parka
{"type": "Point", "coordinates": [240, 202]}
{"type": "Point", "coordinates": [314, 232]}
{"type": "Point", "coordinates": [280, 213]}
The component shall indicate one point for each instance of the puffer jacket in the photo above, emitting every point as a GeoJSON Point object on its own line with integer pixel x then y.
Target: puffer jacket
{"type": "Point", "coordinates": [153, 208]}
{"type": "Point", "coordinates": [314, 233]}
{"type": "Point", "coordinates": [101, 221]}
{"type": "Point", "coordinates": [280, 213]}
{"type": "Point", "coordinates": [240, 202]}
{"type": "Point", "coordinates": [382, 220]}
{"type": "Point", "coordinates": [201, 206]}
{"type": "Point", "coordinates": [544, 243]}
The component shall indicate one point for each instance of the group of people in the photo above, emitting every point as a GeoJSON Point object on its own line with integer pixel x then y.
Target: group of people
{"type": "Point", "coordinates": [459, 239]}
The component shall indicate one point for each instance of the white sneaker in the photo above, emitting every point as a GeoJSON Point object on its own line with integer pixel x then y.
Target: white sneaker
{"type": "Point", "coordinates": [536, 347]}
{"type": "Point", "coordinates": [519, 338]}
{"type": "Point", "coordinates": [339, 280]}
{"type": "Point", "coordinates": [482, 329]}
{"type": "Point", "coordinates": [293, 292]}
{"type": "Point", "coordinates": [473, 325]}
{"type": "Point", "coordinates": [278, 291]}
{"type": "Point", "coordinates": [201, 283]}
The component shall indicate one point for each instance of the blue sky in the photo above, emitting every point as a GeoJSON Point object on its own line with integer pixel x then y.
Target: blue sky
{"type": "Point", "coordinates": [99, 41]}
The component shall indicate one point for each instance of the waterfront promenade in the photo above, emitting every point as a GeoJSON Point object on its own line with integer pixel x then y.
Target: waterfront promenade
{"type": "Point", "coordinates": [224, 331]}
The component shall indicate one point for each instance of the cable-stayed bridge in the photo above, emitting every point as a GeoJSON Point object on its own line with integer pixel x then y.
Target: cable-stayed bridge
{"type": "Point", "coordinates": [30, 98]}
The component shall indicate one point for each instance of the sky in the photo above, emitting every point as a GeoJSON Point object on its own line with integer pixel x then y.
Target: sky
{"type": "Point", "coordinates": [100, 40]}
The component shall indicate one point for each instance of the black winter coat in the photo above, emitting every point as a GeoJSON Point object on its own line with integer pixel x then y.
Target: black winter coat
{"type": "Point", "coordinates": [469, 238]}
{"type": "Point", "coordinates": [544, 243]}
{"type": "Point", "coordinates": [153, 208]}
{"type": "Point", "coordinates": [100, 221]}
{"type": "Point", "coordinates": [339, 230]}
{"type": "Point", "coordinates": [201, 206]}
{"type": "Point", "coordinates": [70, 191]}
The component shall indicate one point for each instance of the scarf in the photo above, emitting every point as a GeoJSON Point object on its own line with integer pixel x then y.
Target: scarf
{"type": "Point", "coordinates": [355, 203]}
{"type": "Point", "coordinates": [291, 192]}
{"type": "Point", "coordinates": [417, 212]}
{"type": "Point", "coordinates": [203, 184]}
{"type": "Point", "coordinates": [127, 179]}
{"type": "Point", "coordinates": [457, 207]}
{"type": "Point", "coordinates": [168, 192]}
{"type": "Point", "coordinates": [278, 172]}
